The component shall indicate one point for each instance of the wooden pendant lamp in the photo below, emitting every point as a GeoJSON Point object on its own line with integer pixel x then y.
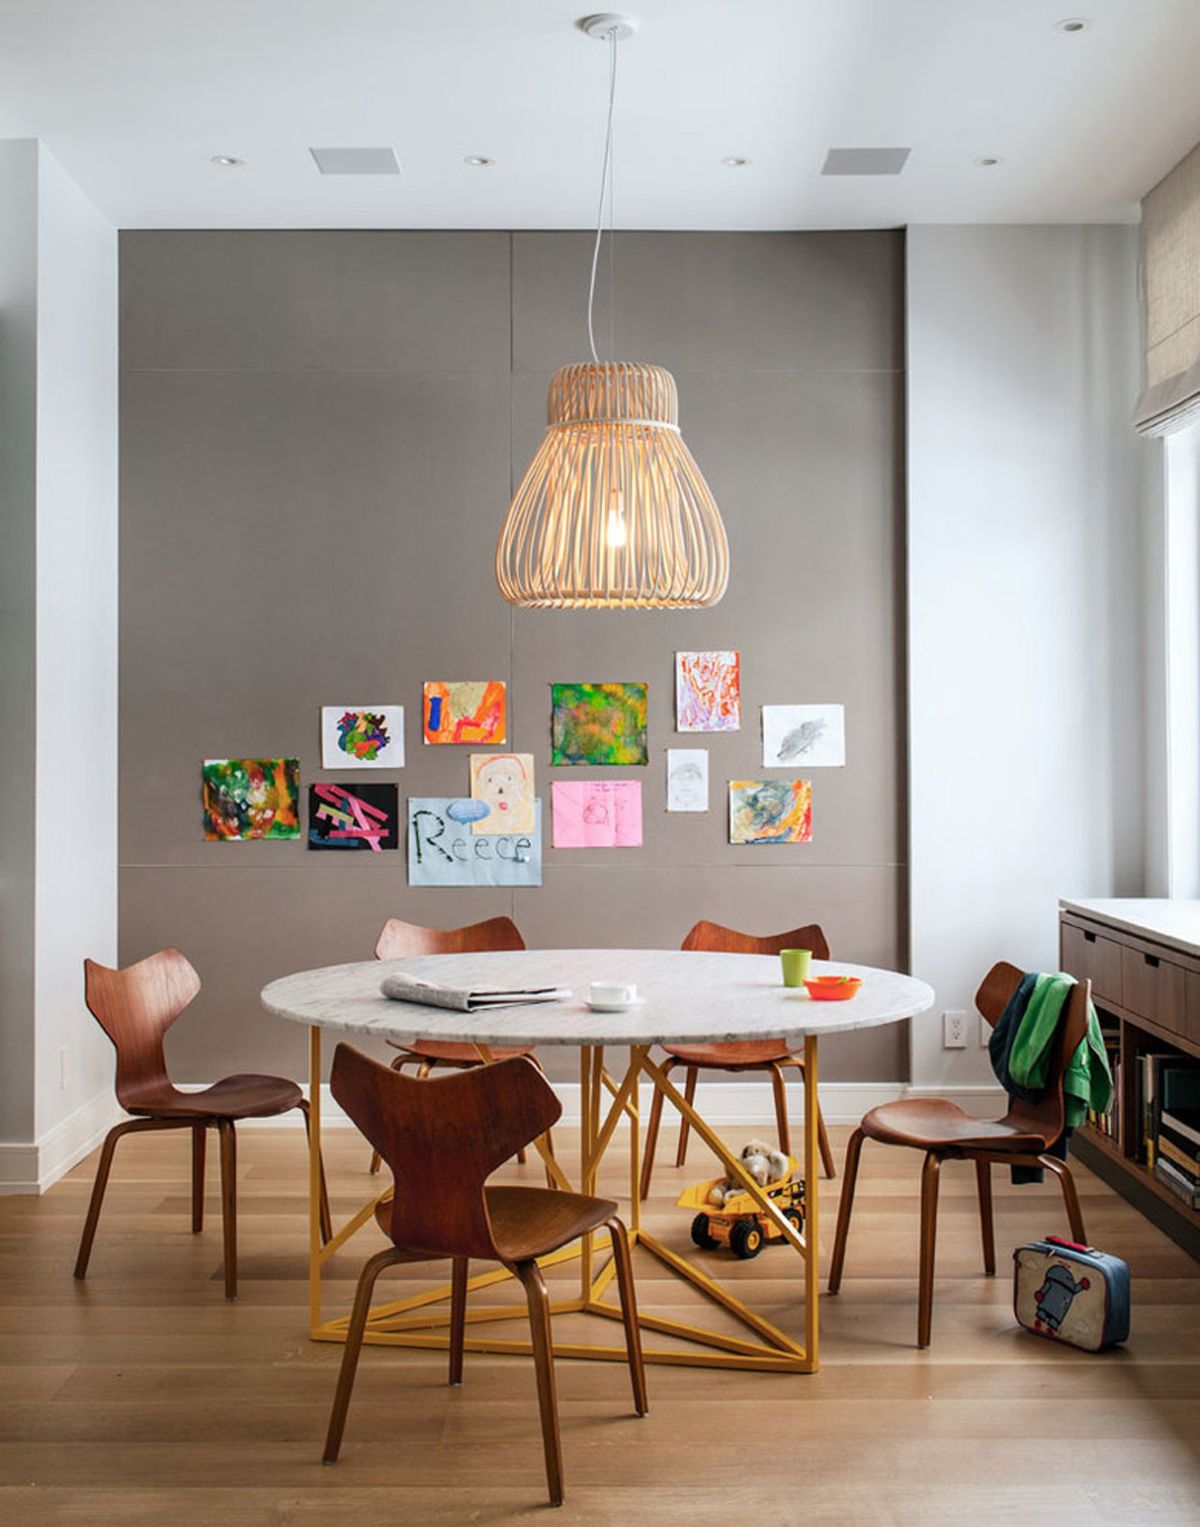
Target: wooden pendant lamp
{"type": "Point", "coordinates": [612, 512]}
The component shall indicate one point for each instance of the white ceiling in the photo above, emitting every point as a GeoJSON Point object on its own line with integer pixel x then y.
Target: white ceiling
{"type": "Point", "coordinates": [135, 96]}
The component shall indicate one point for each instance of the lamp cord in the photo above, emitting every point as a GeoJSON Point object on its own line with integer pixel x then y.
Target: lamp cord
{"type": "Point", "coordinates": [605, 190]}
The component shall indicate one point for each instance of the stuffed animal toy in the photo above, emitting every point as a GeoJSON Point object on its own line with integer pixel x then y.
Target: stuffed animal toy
{"type": "Point", "coordinates": [763, 1162]}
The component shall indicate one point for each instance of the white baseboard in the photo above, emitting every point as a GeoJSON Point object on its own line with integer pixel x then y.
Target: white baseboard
{"type": "Point", "coordinates": [33, 1166]}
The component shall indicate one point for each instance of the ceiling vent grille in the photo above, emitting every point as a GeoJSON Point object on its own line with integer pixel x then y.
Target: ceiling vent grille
{"type": "Point", "coordinates": [865, 161]}
{"type": "Point", "coordinates": [356, 161]}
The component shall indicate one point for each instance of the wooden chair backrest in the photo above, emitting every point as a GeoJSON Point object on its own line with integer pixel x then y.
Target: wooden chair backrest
{"type": "Point", "coordinates": [1047, 1116]}
{"type": "Point", "coordinates": [135, 1007]}
{"type": "Point", "coordinates": [712, 937]}
{"type": "Point", "coordinates": [442, 1138]}
{"type": "Point", "coordinates": [399, 939]}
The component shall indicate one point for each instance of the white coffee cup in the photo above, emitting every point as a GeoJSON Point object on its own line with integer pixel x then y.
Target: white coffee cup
{"type": "Point", "coordinates": [612, 991]}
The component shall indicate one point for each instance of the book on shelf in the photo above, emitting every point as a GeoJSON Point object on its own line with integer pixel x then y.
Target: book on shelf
{"type": "Point", "coordinates": [1183, 1128]}
{"type": "Point", "coordinates": [1181, 1184]}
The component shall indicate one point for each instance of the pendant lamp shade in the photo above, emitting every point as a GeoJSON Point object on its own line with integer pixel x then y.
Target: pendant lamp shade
{"type": "Point", "coordinates": [613, 513]}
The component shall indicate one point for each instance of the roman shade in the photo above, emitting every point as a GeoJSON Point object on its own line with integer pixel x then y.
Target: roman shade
{"type": "Point", "coordinates": [1171, 301]}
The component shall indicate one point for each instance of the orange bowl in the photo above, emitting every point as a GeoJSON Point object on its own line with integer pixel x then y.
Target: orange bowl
{"type": "Point", "coordinates": [833, 988]}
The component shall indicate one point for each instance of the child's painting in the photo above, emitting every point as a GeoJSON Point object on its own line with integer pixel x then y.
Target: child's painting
{"type": "Point", "coordinates": [352, 817]}
{"type": "Point", "coordinates": [503, 783]}
{"type": "Point", "coordinates": [597, 813]}
{"type": "Point", "coordinates": [803, 736]}
{"type": "Point", "coordinates": [598, 724]}
{"type": "Point", "coordinates": [770, 811]}
{"type": "Point", "coordinates": [442, 850]}
{"type": "Point", "coordinates": [251, 798]}
{"type": "Point", "coordinates": [687, 779]}
{"type": "Point", "coordinates": [362, 736]}
{"type": "Point", "coordinates": [466, 710]}
{"type": "Point", "coordinates": [708, 691]}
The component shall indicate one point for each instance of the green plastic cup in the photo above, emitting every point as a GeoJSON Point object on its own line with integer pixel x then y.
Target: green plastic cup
{"type": "Point", "coordinates": [796, 964]}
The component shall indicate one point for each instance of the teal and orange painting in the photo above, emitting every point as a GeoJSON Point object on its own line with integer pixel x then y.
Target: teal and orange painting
{"type": "Point", "coordinates": [598, 724]}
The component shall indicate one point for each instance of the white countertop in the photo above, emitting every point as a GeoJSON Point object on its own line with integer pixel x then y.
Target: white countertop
{"type": "Point", "coordinates": [691, 998]}
{"type": "Point", "coordinates": [1165, 921]}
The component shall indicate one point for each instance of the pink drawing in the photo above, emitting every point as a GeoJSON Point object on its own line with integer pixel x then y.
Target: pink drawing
{"type": "Point", "coordinates": [597, 813]}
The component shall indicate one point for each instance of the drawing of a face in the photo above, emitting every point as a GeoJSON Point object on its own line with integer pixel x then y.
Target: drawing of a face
{"type": "Point", "coordinates": [687, 786]}
{"type": "Point", "coordinates": [501, 783]}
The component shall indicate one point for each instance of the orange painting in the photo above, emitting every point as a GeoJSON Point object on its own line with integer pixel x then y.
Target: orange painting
{"type": "Point", "coordinates": [464, 710]}
{"type": "Point", "coordinates": [770, 811]}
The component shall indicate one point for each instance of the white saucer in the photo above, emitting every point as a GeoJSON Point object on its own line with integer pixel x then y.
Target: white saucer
{"type": "Point", "coordinates": [614, 1007]}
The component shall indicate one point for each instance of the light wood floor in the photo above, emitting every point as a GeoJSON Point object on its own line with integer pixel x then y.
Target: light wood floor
{"type": "Point", "coordinates": [141, 1397]}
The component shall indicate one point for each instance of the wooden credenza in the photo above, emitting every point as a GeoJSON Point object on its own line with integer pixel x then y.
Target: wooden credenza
{"type": "Point", "coordinates": [1143, 960]}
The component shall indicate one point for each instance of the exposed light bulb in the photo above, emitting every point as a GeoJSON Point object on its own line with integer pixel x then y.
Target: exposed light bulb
{"type": "Point", "coordinates": [616, 533]}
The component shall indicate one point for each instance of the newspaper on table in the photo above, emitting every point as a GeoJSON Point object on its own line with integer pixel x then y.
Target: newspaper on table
{"type": "Point", "coordinates": [402, 987]}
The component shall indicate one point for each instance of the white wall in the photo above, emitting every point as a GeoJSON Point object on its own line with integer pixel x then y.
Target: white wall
{"type": "Point", "coordinates": [1024, 578]}
{"type": "Point", "coordinates": [76, 648]}
{"type": "Point", "coordinates": [18, 532]}
{"type": "Point", "coordinates": [58, 664]}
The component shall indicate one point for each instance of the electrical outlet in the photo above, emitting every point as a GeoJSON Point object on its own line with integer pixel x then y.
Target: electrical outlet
{"type": "Point", "coordinates": [985, 1032]}
{"type": "Point", "coordinates": [64, 1065]}
{"type": "Point", "coordinates": [954, 1031]}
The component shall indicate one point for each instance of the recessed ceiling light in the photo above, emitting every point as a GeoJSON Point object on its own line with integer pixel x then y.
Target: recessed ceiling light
{"type": "Point", "coordinates": [478, 161]}
{"type": "Point", "coordinates": [735, 162]}
{"type": "Point", "coordinates": [988, 161]}
{"type": "Point", "coordinates": [1072, 24]}
{"type": "Point", "coordinates": [226, 161]}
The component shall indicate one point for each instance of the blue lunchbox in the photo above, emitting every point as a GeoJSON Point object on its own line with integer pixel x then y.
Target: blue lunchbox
{"type": "Point", "coordinates": [1071, 1293]}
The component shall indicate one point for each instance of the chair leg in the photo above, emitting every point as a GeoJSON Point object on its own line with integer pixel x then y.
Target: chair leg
{"type": "Point", "coordinates": [781, 1117]}
{"type": "Point", "coordinates": [849, 1182]}
{"type": "Point", "coordinates": [131, 1126]}
{"type": "Point", "coordinates": [458, 1317]}
{"type": "Point", "coordinates": [229, 1203]}
{"type": "Point", "coordinates": [1070, 1197]}
{"type": "Point", "coordinates": [199, 1140]}
{"type": "Point", "coordinates": [828, 1166]}
{"type": "Point", "coordinates": [685, 1129]}
{"type": "Point", "coordinates": [930, 1173]}
{"type": "Point", "coordinates": [543, 1357]}
{"type": "Point", "coordinates": [354, 1339]}
{"type": "Point", "coordinates": [983, 1179]}
{"type": "Point", "coordinates": [326, 1220]}
{"type": "Point", "coordinates": [648, 1149]}
{"type": "Point", "coordinates": [628, 1295]}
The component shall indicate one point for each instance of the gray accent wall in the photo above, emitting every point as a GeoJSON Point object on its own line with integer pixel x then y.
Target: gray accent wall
{"type": "Point", "coordinates": [319, 436]}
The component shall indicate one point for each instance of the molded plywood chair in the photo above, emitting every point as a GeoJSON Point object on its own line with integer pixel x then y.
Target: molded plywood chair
{"type": "Point", "coordinates": [754, 1055]}
{"type": "Point", "coordinates": [945, 1133]}
{"type": "Point", "coordinates": [455, 1131]}
{"type": "Point", "coordinates": [135, 1007]}
{"type": "Point", "coordinates": [398, 940]}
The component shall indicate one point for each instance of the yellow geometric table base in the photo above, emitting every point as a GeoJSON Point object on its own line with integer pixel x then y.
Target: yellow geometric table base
{"type": "Point", "coordinates": [418, 1321]}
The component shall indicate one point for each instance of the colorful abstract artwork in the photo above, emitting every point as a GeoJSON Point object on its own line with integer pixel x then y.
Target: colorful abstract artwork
{"type": "Point", "coordinates": [708, 691]}
{"type": "Point", "coordinates": [362, 736]}
{"type": "Point", "coordinates": [597, 813]}
{"type": "Point", "coordinates": [352, 817]}
{"type": "Point", "coordinates": [770, 811]}
{"type": "Point", "coordinates": [466, 711]}
{"type": "Point", "coordinates": [503, 783]}
{"type": "Point", "coordinates": [442, 849]}
{"type": "Point", "coordinates": [687, 779]}
{"type": "Point", "coordinates": [598, 724]}
{"type": "Point", "coordinates": [251, 798]}
{"type": "Point", "coordinates": [804, 736]}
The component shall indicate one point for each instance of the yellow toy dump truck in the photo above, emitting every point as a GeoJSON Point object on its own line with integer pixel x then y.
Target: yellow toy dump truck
{"type": "Point", "coordinates": [738, 1222]}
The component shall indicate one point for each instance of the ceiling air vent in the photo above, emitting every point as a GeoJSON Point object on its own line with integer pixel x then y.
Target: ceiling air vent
{"type": "Point", "coordinates": [865, 161]}
{"type": "Point", "coordinates": [356, 161]}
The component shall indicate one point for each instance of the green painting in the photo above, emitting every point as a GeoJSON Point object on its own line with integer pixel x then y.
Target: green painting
{"type": "Point", "coordinates": [251, 798]}
{"type": "Point", "coordinates": [598, 724]}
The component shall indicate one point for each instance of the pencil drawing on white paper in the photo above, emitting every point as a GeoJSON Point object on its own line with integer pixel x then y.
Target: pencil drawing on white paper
{"type": "Point", "coordinates": [687, 779]}
{"type": "Point", "coordinates": [812, 735]}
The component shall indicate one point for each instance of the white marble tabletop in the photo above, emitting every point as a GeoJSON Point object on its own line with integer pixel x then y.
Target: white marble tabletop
{"type": "Point", "coordinates": [691, 998]}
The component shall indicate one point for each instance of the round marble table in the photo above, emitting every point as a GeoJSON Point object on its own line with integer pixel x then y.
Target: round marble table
{"type": "Point", "coordinates": [690, 998]}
